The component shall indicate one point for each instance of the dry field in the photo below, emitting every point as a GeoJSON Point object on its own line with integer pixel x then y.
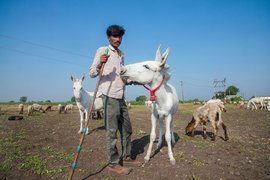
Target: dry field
{"type": "Point", "coordinates": [42, 146]}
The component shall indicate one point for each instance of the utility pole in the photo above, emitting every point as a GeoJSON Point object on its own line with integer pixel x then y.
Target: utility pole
{"type": "Point", "coordinates": [219, 84]}
{"type": "Point", "coordinates": [182, 90]}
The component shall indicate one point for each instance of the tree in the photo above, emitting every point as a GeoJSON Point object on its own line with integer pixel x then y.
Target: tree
{"type": "Point", "coordinates": [231, 90]}
{"type": "Point", "coordinates": [141, 98]}
{"type": "Point", "coordinates": [72, 99]}
{"type": "Point", "coordinates": [23, 99]}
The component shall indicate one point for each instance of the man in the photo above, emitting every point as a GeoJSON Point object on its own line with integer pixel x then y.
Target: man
{"type": "Point", "coordinates": [111, 89]}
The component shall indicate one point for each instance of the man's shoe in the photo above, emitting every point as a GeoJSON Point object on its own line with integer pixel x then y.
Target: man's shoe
{"type": "Point", "coordinates": [131, 162]}
{"type": "Point", "coordinates": [117, 169]}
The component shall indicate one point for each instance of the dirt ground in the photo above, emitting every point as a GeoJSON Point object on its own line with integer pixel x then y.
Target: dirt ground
{"type": "Point", "coordinates": [42, 146]}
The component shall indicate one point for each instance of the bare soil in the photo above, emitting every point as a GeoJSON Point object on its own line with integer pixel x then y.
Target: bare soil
{"type": "Point", "coordinates": [42, 146]}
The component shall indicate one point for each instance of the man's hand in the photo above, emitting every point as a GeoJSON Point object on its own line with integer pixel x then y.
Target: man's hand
{"type": "Point", "coordinates": [104, 58]}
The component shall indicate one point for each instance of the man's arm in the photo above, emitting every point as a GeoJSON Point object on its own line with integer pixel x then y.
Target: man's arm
{"type": "Point", "coordinates": [100, 58]}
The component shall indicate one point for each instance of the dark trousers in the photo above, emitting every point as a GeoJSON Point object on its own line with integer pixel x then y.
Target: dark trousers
{"type": "Point", "coordinates": [116, 118]}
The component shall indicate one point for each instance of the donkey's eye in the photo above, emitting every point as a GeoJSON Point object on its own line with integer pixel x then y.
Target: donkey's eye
{"type": "Point", "coordinates": [146, 66]}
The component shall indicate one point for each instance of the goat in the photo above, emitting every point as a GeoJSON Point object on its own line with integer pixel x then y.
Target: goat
{"type": "Point", "coordinates": [60, 108]}
{"type": "Point", "coordinates": [129, 105]}
{"type": "Point", "coordinates": [21, 106]}
{"type": "Point", "coordinates": [68, 107]}
{"type": "Point", "coordinates": [84, 100]}
{"type": "Point", "coordinates": [48, 108]}
{"type": "Point", "coordinates": [156, 74]}
{"type": "Point", "coordinates": [98, 114]}
{"type": "Point", "coordinates": [30, 110]}
{"type": "Point", "coordinates": [257, 100]}
{"type": "Point", "coordinates": [208, 112]}
{"type": "Point", "coordinates": [38, 107]}
{"type": "Point", "coordinates": [218, 102]}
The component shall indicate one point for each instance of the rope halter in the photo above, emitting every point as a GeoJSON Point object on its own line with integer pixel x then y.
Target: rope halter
{"type": "Point", "coordinates": [152, 91]}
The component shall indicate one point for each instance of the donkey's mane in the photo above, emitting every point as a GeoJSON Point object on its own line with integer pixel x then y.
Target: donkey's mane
{"type": "Point", "coordinates": [166, 71]}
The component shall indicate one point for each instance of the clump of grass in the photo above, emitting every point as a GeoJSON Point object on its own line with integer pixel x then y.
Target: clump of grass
{"type": "Point", "coordinates": [179, 156]}
{"type": "Point", "coordinates": [198, 162]}
{"type": "Point", "coordinates": [141, 132]}
{"type": "Point", "coordinates": [101, 164]}
{"type": "Point", "coordinates": [59, 154]}
{"type": "Point", "coordinates": [35, 164]}
{"type": "Point", "coordinates": [195, 177]}
{"type": "Point", "coordinates": [204, 144]}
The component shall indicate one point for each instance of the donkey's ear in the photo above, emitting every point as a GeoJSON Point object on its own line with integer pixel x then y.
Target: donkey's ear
{"type": "Point", "coordinates": [164, 57]}
{"type": "Point", "coordinates": [158, 55]}
{"type": "Point", "coordinates": [82, 78]}
{"type": "Point", "coordinates": [71, 77]}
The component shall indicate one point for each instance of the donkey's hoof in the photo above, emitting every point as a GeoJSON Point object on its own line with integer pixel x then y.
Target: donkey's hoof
{"type": "Point", "coordinates": [146, 159]}
{"type": "Point", "coordinates": [172, 161]}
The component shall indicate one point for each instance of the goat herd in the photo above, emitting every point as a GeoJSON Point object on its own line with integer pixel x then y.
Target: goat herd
{"type": "Point", "coordinates": [31, 109]}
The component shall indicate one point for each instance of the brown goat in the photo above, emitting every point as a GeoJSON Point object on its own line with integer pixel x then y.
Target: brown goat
{"type": "Point", "coordinates": [209, 112]}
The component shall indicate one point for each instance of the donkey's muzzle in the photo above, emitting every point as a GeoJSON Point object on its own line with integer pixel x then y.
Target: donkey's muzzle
{"type": "Point", "coordinates": [123, 71]}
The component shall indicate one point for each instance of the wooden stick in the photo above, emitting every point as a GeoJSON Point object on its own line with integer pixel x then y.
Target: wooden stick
{"type": "Point", "coordinates": [74, 164]}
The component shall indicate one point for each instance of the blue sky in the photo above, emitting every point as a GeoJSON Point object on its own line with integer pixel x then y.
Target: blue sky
{"type": "Point", "coordinates": [42, 43]}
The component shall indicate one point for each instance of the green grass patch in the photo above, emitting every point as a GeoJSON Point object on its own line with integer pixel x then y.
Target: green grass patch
{"type": "Point", "coordinates": [198, 162]}
{"type": "Point", "coordinates": [11, 148]}
{"type": "Point", "coordinates": [203, 144]}
{"type": "Point", "coordinates": [141, 132]}
{"type": "Point", "coordinates": [35, 164]}
{"type": "Point", "coordinates": [179, 156]}
{"type": "Point", "coordinates": [59, 155]}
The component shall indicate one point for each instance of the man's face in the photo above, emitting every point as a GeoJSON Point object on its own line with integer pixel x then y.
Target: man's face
{"type": "Point", "coordinates": [115, 41]}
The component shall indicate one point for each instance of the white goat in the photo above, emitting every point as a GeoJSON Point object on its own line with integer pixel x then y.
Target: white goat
{"type": "Point", "coordinates": [257, 100]}
{"type": "Point", "coordinates": [38, 107]}
{"type": "Point", "coordinates": [60, 108]}
{"type": "Point", "coordinates": [218, 102]}
{"type": "Point", "coordinates": [21, 106]}
{"type": "Point", "coordinates": [156, 74]}
{"type": "Point", "coordinates": [30, 110]}
{"type": "Point", "coordinates": [84, 100]}
{"type": "Point", "coordinates": [68, 107]}
{"type": "Point", "coordinates": [148, 103]}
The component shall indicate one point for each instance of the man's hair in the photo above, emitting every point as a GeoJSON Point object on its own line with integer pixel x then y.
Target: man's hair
{"type": "Point", "coordinates": [115, 30]}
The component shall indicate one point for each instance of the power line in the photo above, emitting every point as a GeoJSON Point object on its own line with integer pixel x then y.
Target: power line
{"type": "Point", "coordinates": [197, 85]}
{"type": "Point", "coordinates": [44, 57]}
{"type": "Point", "coordinates": [44, 46]}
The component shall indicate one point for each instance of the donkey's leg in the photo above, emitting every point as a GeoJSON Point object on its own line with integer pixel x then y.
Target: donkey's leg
{"type": "Point", "coordinates": [81, 121]}
{"type": "Point", "coordinates": [168, 138]}
{"type": "Point", "coordinates": [86, 121]}
{"type": "Point", "coordinates": [172, 134]}
{"type": "Point", "coordinates": [152, 137]}
{"type": "Point", "coordinates": [160, 133]}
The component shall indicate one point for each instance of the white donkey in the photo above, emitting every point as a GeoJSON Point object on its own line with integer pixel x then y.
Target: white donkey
{"type": "Point", "coordinates": [156, 74]}
{"type": "Point", "coordinates": [84, 100]}
{"type": "Point", "coordinates": [256, 100]}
